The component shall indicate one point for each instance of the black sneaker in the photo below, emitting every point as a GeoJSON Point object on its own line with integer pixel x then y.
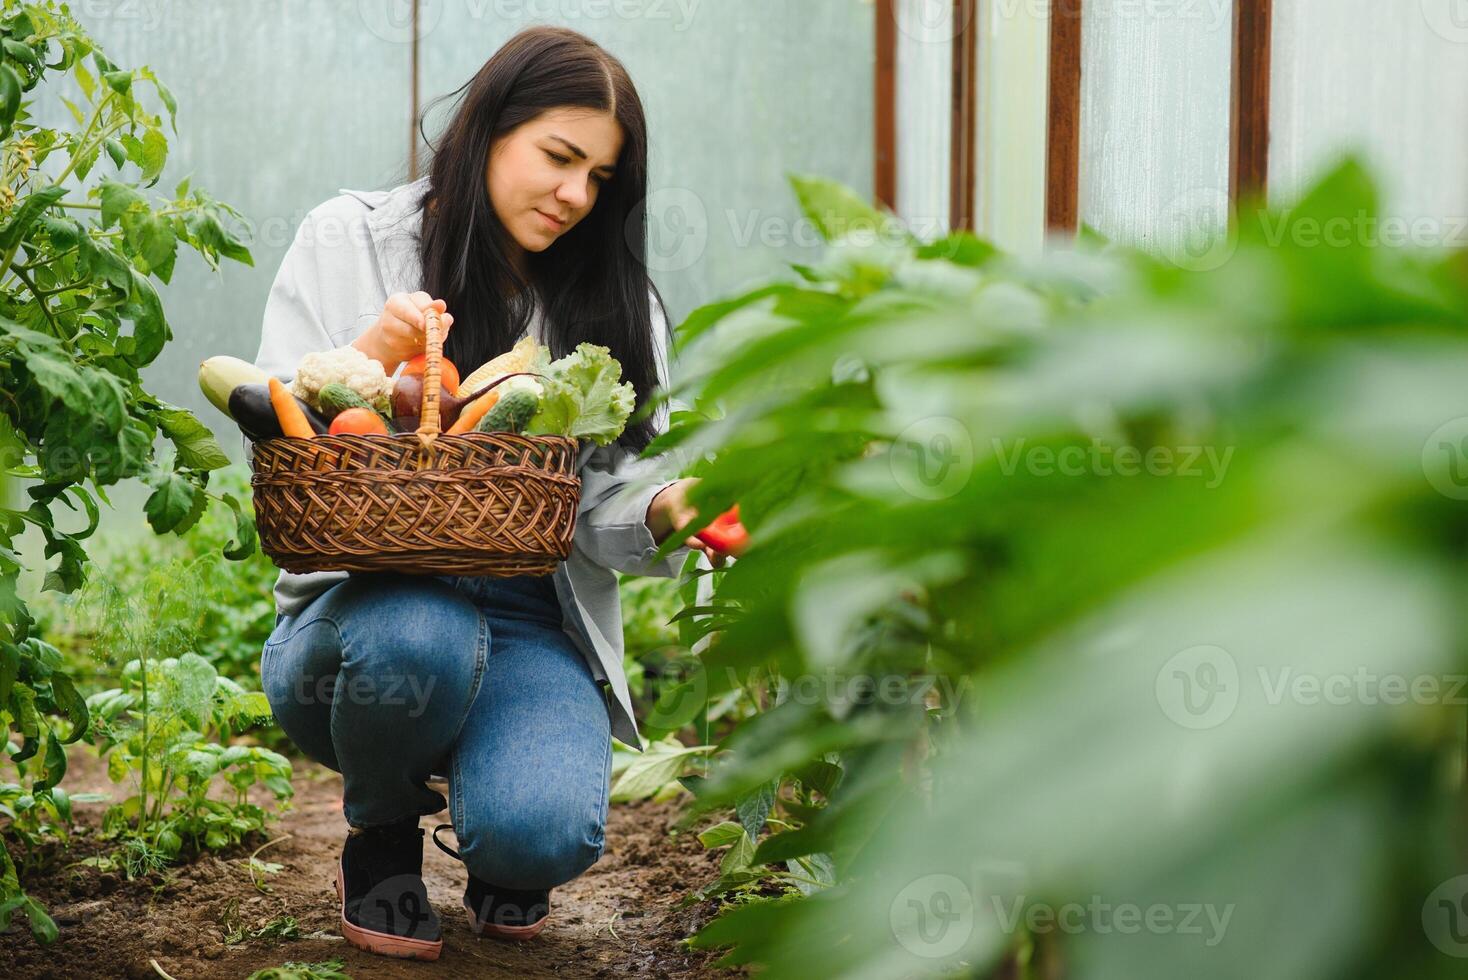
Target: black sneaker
{"type": "Point", "coordinates": [504, 913]}
{"type": "Point", "coordinates": [384, 904]}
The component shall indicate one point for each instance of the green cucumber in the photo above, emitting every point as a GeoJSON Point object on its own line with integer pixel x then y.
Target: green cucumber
{"type": "Point", "coordinates": [511, 413]}
{"type": "Point", "coordinates": [336, 398]}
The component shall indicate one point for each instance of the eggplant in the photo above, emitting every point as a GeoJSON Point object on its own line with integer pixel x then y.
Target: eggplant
{"type": "Point", "coordinates": [249, 406]}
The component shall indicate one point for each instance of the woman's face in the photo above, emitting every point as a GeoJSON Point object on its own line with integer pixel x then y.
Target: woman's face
{"type": "Point", "coordinates": [544, 176]}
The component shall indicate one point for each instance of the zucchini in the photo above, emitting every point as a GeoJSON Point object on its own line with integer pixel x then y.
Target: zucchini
{"type": "Point", "coordinates": [250, 407]}
{"type": "Point", "coordinates": [511, 413]}
{"type": "Point", "coordinates": [220, 376]}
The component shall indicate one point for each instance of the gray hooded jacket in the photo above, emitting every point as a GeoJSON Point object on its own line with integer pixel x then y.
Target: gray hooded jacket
{"type": "Point", "coordinates": [348, 256]}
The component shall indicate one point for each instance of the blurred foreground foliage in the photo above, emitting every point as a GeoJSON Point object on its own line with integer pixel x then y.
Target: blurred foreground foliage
{"type": "Point", "coordinates": [1095, 583]}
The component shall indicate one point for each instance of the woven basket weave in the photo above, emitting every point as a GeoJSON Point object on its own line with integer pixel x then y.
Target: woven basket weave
{"type": "Point", "coordinates": [422, 503]}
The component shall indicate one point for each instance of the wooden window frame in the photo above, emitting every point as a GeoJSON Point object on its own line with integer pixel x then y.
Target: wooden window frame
{"type": "Point", "coordinates": [1249, 114]}
{"type": "Point", "coordinates": [1063, 143]}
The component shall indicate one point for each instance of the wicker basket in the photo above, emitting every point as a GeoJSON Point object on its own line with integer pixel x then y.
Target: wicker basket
{"type": "Point", "coordinates": [420, 503]}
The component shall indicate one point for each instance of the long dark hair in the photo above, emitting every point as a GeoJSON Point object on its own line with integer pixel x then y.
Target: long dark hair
{"type": "Point", "coordinates": [592, 283]}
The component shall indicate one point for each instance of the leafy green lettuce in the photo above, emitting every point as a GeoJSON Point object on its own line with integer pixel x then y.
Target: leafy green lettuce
{"type": "Point", "coordinates": [584, 396]}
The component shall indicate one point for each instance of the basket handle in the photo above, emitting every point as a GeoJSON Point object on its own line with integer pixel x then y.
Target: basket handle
{"type": "Point", "coordinates": [428, 423]}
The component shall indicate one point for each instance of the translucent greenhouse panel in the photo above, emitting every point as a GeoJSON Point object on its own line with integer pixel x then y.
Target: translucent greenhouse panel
{"type": "Point", "coordinates": [1155, 95]}
{"type": "Point", "coordinates": [280, 104]}
{"type": "Point", "coordinates": [925, 40]}
{"type": "Point", "coordinates": [1387, 80]}
{"type": "Point", "coordinates": [737, 95]}
{"type": "Point", "coordinates": [1013, 62]}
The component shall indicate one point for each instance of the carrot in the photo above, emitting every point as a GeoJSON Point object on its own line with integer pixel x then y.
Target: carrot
{"type": "Point", "coordinates": [292, 420]}
{"type": "Point", "coordinates": [474, 411]}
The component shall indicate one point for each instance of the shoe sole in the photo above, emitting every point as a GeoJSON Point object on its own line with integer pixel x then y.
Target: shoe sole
{"type": "Point", "coordinates": [382, 943]}
{"type": "Point", "coordinates": [516, 933]}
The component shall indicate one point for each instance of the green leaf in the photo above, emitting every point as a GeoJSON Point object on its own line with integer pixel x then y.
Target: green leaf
{"type": "Point", "coordinates": [9, 670]}
{"type": "Point", "coordinates": [23, 707]}
{"type": "Point", "coordinates": [109, 401]}
{"type": "Point", "coordinates": [171, 501]}
{"type": "Point", "coordinates": [754, 807]}
{"type": "Point", "coordinates": [72, 704]}
{"type": "Point", "coordinates": [246, 536]}
{"type": "Point", "coordinates": [54, 762]}
{"type": "Point", "coordinates": [117, 197]}
{"type": "Point", "coordinates": [31, 208]}
{"type": "Point", "coordinates": [152, 238]}
{"type": "Point", "coordinates": [150, 328]}
{"type": "Point", "coordinates": [197, 448]}
{"type": "Point", "coordinates": [194, 679]}
{"type": "Point", "coordinates": [721, 835]}
{"type": "Point", "coordinates": [43, 928]}
{"type": "Point", "coordinates": [120, 82]}
{"type": "Point", "coordinates": [10, 89]}
{"type": "Point", "coordinates": [76, 111]}
{"type": "Point", "coordinates": [116, 151]}
{"type": "Point", "coordinates": [737, 857]}
{"type": "Point", "coordinates": [22, 53]}
{"type": "Point", "coordinates": [652, 770]}
{"type": "Point", "coordinates": [205, 226]}
{"type": "Point", "coordinates": [149, 153]}
{"type": "Point", "coordinates": [61, 379]}
{"type": "Point", "coordinates": [839, 213]}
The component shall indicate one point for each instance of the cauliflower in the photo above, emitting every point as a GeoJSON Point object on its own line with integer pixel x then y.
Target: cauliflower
{"type": "Point", "coordinates": [344, 365]}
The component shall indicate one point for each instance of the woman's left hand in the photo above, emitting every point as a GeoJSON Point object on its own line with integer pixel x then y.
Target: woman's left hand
{"type": "Point", "coordinates": [670, 511]}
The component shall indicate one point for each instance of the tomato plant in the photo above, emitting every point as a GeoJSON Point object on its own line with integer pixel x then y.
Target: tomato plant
{"type": "Point", "coordinates": [82, 243]}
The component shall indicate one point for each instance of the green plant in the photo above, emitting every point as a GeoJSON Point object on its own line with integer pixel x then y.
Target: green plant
{"type": "Point", "coordinates": [167, 727]}
{"type": "Point", "coordinates": [274, 930]}
{"type": "Point", "coordinates": [234, 617]}
{"type": "Point", "coordinates": [323, 970]}
{"type": "Point", "coordinates": [79, 251]}
{"type": "Point", "coordinates": [1031, 502]}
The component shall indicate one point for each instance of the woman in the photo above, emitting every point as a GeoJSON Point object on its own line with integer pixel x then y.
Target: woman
{"type": "Point", "coordinates": [530, 219]}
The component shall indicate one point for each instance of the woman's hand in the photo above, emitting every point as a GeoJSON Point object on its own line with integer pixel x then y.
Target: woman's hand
{"type": "Point", "coordinates": [400, 332]}
{"type": "Point", "coordinates": [670, 511]}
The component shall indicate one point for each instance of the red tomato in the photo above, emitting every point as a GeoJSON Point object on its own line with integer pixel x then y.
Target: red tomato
{"type": "Point", "coordinates": [726, 534]}
{"type": "Point", "coordinates": [358, 421]}
{"type": "Point", "coordinates": [448, 374]}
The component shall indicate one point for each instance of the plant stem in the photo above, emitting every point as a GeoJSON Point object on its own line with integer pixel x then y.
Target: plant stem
{"type": "Point", "coordinates": [81, 142]}
{"type": "Point", "coordinates": [40, 301]}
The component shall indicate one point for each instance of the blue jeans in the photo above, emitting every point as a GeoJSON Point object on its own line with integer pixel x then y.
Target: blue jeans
{"type": "Point", "coordinates": [389, 679]}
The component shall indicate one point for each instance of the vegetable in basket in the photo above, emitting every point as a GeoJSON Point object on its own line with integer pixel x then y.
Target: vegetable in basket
{"type": "Point", "coordinates": [251, 408]}
{"type": "Point", "coordinates": [342, 365]}
{"type": "Point", "coordinates": [584, 397]}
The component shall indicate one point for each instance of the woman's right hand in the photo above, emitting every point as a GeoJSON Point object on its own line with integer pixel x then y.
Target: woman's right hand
{"type": "Point", "coordinates": [399, 333]}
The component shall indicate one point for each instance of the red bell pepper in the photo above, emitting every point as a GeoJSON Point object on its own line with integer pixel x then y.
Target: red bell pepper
{"type": "Point", "coordinates": [725, 534]}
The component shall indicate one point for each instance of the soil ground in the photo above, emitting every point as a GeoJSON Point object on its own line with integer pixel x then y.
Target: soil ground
{"type": "Point", "coordinates": [620, 919]}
